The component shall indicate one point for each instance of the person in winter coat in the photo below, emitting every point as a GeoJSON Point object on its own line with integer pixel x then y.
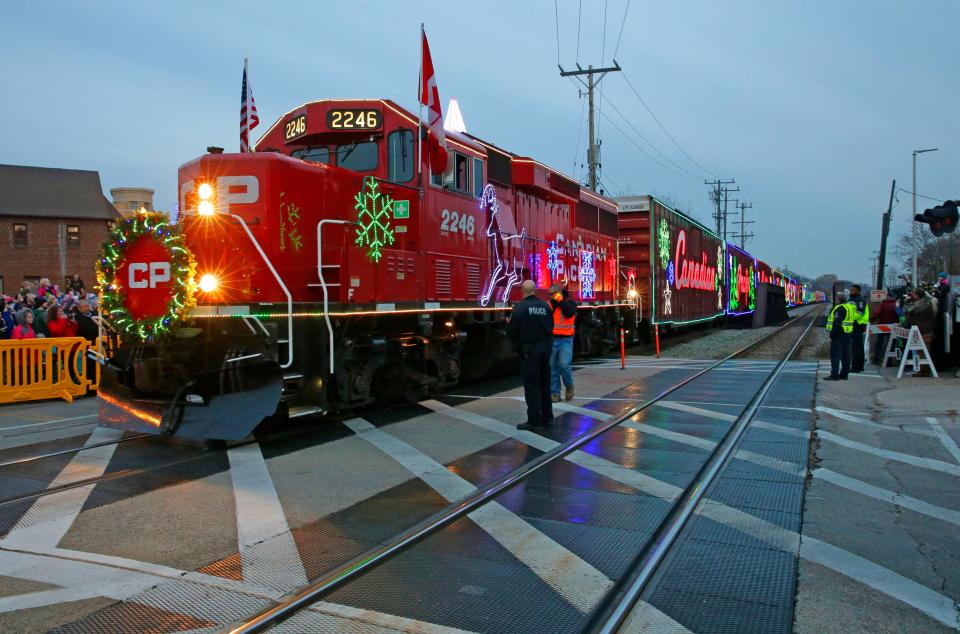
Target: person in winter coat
{"type": "Point", "coordinates": [564, 312]}
{"type": "Point", "coordinates": [919, 312]}
{"type": "Point", "coordinates": [45, 289]}
{"type": "Point", "coordinates": [58, 324]}
{"type": "Point", "coordinates": [885, 314]}
{"type": "Point", "coordinates": [8, 320]}
{"type": "Point", "coordinates": [24, 328]}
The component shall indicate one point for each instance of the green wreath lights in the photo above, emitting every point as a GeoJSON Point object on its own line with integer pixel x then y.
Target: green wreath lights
{"type": "Point", "coordinates": [182, 271]}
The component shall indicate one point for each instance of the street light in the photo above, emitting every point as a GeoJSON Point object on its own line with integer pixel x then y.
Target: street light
{"type": "Point", "coordinates": [916, 280]}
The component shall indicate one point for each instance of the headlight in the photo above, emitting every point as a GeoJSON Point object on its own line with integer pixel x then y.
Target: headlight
{"type": "Point", "coordinates": [205, 208]}
{"type": "Point", "coordinates": [205, 191]}
{"type": "Point", "coordinates": [208, 283]}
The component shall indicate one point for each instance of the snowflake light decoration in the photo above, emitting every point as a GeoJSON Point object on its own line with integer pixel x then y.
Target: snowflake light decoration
{"type": "Point", "coordinates": [373, 218]}
{"type": "Point", "coordinates": [663, 243]}
{"type": "Point", "coordinates": [588, 275]}
{"type": "Point", "coordinates": [671, 274]}
{"type": "Point", "coordinates": [553, 260]}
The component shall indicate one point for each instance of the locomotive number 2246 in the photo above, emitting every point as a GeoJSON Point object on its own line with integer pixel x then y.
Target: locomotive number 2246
{"type": "Point", "coordinates": [455, 222]}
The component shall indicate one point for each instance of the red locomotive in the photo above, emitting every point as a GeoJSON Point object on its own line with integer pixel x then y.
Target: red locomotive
{"type": "Point", "coordinates": [333, 270]}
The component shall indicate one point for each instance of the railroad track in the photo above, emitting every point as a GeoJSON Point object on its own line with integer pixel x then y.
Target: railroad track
{"type": "Point", "coordinates": [613, 611]}
{"type": "Point", "coordinates": [762, 348]}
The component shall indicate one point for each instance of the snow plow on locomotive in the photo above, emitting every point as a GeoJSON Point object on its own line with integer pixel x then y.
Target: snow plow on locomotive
{"type": "Point", "coordinates": [327, 269]}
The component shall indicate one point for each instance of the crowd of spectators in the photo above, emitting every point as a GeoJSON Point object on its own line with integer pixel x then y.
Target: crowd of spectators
{"type": "Point", "coordinates": [933, 309]}
{"type": "Point", "coordinates": [48, 310]}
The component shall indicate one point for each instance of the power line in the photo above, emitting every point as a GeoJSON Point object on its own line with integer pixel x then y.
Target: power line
{"type": "Point", "coordinates": [556, 17]}
{"type": "Point", "coordinates": [623, 24]}
{"type": "Point", "coordinates": [583, 108]}
{"type": "Point", "coordinates": [579, 20]}
{"type": "Point", "coordinates": [603, 55]}
{"type": "Point", "coordinates": [906, 191]}
{"type": "Point", "coordinates": [664, 129]}
{"type": "Point", "coordinates": [655, 149]}
{"type": "Point", "coordinates": [606, 177]}
{"type": "Point", "coordinates": [647, 154]}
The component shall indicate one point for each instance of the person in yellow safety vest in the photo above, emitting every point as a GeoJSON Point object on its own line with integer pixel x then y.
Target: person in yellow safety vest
{"type": "Point", "coordinates": [860, 321]}
{"type": "Point", "coordinates": [564, 316]}
{"type": "Point", "coordinates": [840, 326]}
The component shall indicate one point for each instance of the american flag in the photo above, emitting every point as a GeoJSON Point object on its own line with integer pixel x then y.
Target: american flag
{"type": "Point", "coordinates": [248, 112]}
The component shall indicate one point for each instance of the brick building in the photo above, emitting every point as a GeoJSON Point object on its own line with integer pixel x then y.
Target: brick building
{"type": "Point", "coordinates": [53, 222]}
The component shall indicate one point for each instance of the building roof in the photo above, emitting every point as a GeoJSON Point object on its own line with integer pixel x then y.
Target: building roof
{"type": "Point", "coordinates": [53, 193]}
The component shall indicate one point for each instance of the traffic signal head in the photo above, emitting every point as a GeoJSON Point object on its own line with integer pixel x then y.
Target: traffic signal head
{"type": "Point", "coordinates": [942, 218]}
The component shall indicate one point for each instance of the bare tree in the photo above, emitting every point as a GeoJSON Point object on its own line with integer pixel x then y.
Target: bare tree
{"type": "Point", "coordinates": [933, 254]}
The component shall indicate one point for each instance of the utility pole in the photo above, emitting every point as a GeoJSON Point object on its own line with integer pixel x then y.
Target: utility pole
{"type": "Point", "coordinates": [726, 190]}
{"type": "Point", "coordinates": [593, 150]}
{"type": "Point", "coordinates": [715, 198]}
{"type": "Point", "coordinates": [743, 222]}
{"type": "Point", "coordinates": [884, 232]}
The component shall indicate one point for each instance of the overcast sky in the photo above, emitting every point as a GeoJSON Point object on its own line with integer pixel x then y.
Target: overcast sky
{"type": "Point", "coordinates": [813, 107]}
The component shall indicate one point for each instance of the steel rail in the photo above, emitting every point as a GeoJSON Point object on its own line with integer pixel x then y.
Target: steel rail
{"type": "Point", "coordinates": [62, 452]}
{"type": "Point", "coordinates": [323, 586]}
{"type": "Point", "coordinates": [621, 601]}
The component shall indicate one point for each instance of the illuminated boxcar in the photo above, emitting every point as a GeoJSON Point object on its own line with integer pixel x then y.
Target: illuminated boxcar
{"type": "Point", "coordinates": [742, 275]}
{"type": "Point", "coordinates": [679, 263]}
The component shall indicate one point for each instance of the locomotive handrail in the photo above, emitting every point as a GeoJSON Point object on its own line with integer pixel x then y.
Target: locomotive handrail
{"type": "Point", "coordinates": [283, 286]}
{"type": "Point", "coordinates": [323, 282]}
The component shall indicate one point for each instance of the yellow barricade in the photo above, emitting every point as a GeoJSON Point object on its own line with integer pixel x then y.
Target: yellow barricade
{"type": "Point", "coordinates": [32, 369]}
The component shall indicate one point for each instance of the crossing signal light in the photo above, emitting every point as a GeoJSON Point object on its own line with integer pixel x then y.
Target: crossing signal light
{"type": "Point", "coordinates": [942, 218]}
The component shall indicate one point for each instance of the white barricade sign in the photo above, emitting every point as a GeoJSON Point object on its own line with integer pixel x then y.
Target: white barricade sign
{"type": "Point", "coordinates": [880, 329]}
{"type": "Point", "coordinates": [914, 344]}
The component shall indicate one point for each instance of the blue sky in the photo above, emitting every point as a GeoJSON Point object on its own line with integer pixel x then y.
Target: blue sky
{"type": "Point", "coordinates": [812, 106]}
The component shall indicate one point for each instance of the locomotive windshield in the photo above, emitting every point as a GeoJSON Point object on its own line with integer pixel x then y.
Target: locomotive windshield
{"type": "Point", "coordinates": [316, 154]}
{"type": "Point", "coordinates": [358, 156]}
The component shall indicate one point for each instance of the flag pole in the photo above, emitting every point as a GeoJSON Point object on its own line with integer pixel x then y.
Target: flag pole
{"type": "Point", "coordinates": [420, 118]}
{"type": "Point", "coordinates": [245, 123]}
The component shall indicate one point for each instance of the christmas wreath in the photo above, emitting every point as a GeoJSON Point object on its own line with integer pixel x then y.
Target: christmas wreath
{"type": "Point", "coordinates": [170, 283]}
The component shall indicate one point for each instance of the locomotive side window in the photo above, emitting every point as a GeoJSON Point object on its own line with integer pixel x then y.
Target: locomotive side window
{"type": "Point", "coordinates": [464, 174]}
{"type": "Point", "coordinates": [461, 172]}
{"type": "Point", "coordinates": [357, 156]}
{"type": "Point", "coordinates": [400, 156]}
{"type": "Point", "coordinates": [315, 154]}
{"type": "Point", "coordinates": [477, 177]}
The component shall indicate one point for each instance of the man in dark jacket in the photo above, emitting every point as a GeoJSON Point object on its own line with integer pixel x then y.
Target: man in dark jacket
{"type": "Point", "coordinates": [529, 329]}
{"type": "Point", "coordinates": [564, 311]}
{"type": "Point", "coordinates": [860, 321]}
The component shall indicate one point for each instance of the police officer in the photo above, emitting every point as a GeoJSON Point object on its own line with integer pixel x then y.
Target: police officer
{"type": "Point", "coordinates": [860, 321]}
{"type": "Point", "coordinates": [564, 318]}
{"type": "Point", "coordinates": [840, 326]}
{"type": "Point", "coordinates": [530, 328]}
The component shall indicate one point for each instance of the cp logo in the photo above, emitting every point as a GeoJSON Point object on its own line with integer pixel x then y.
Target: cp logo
{"type": "Point", "coordinates": [148, 274]}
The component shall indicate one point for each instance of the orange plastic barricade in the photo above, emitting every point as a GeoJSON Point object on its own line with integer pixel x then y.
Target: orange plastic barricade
{"type": "Point", "coordinates": [32, 369]}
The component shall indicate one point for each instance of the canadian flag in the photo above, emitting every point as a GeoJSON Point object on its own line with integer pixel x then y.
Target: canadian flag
{"type": "Point", "coordinates": [430, 97]}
